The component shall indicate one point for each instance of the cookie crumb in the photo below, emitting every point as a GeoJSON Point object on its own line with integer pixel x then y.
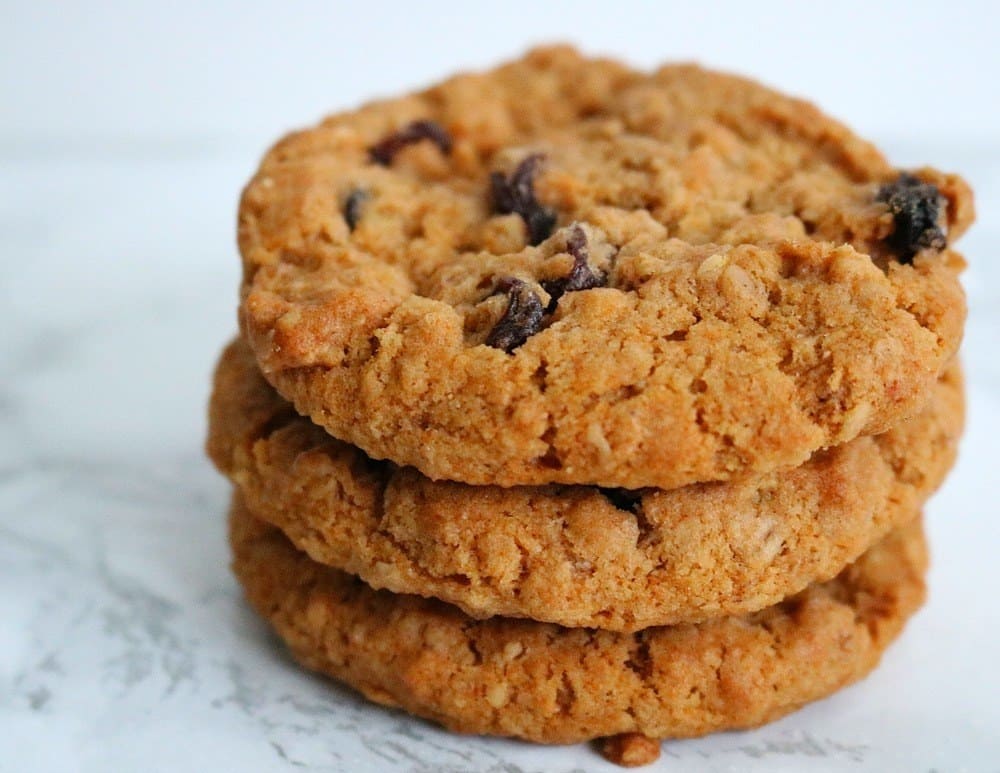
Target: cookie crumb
{"type": "Point", "coordinates": [517, 195]}
{"type": "Point", "coordinates": [384, 151]}
{"type": "Point", "coordinates": [521, 320]}
{"type": "Point", "coordinates": [915, 207]}
{"type": "Point", "coordinates": [581, 276]}
{"type": "Point", "coordinates": [352, 207]}
{"type": "Point", "coordinates": [630, 750]}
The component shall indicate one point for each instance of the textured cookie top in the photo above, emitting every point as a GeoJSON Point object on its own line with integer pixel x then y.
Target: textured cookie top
{"type": "Point", "coordinates": [560, 685]}
{"type": "Point", "coordinates": [567, 271]}
{"type": "Point", "coordinates": [574, 555]}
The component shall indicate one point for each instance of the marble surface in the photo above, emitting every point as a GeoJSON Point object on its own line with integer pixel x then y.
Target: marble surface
{"type": "Point", "coordinates": [124, 643]}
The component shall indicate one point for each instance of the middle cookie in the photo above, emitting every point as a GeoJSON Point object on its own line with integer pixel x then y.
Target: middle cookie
{"type": "Point", "coordinates": [578, 556]}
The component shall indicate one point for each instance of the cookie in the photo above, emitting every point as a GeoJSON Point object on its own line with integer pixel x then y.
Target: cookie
{"type": "Point", "coordinates": [567, 271]}
{"type": "Point", "coordinates": [574, 555]}
{"type": "Point", "coordinates": [545, 683]}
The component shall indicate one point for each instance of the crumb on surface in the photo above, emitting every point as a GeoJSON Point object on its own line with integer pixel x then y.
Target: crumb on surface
{"type": "Point", "coordinates": [630, 750]}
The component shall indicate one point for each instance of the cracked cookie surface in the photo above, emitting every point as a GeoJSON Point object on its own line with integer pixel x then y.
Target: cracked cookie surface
{"type": "Point", "coordinates": [574, 555]}
{"type": "Point", "coordinates": [758, 282]}
{"type": "Point", "coordinates": [550, 684]}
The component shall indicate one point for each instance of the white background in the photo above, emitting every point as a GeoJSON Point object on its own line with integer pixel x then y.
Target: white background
{"type": "Point", "coordinates": [126, 131]}
{"type": "Point", "coordinates": [251, 69]}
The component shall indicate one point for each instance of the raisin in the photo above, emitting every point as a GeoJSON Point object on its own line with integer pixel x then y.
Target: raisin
{"type": "Point", "coordinates": [384, 151]}
{"type": "Point", "coordinates": [521, 320]}
{"type": "Point", "coordinates": [352, 206]}
{"type": "Point", "coordinates": [580, 277]}
{"type": "Point", "coordinates": [516, 194]}
{"type": "Point", "coordinates": [915, 207]}
{"type": "Point", "coordinates": [623, 498]}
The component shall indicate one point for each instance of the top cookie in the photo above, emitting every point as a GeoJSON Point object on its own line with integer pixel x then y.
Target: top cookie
{"type": "Point", "coordinates": [567, 271]}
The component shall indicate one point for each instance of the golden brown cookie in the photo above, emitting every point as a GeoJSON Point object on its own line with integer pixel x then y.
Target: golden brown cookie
{"type": "Point", "coordinates": [545, 683]}
{"type": "Point", "coordinates": [567, 271]}
{"type": "Point", "coordinates": [574, 555]}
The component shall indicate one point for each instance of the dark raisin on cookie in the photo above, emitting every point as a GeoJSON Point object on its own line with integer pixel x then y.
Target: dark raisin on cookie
{"type": "Point", "coordinates": [383, 152]}
{"type": "Point", "coordinates": [516, 195]}
{"type": "Point", "coordinates": [352, 206]}
{"type": "Point", "coordinates": [623, 498]}
{"type": "Point", "coordinates": [915, 207]}
{"type": "Point", "coordinates": [521, 320]}
{"type": "Point", "coordinates": [580, 277]}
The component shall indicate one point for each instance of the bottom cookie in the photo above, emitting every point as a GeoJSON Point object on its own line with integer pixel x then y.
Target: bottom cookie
{"type": "Point", "coordinates": [549, 684]}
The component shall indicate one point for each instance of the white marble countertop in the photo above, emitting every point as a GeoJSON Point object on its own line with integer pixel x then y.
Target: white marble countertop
{"type": "Point", "coordinates": [126, 132]}
{"type": "Point", "coordinates": [124, 643]}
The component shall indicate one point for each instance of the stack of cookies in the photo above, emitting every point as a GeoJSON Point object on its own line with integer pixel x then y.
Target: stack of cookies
{"type": "Point", "coordinates": [574, 402]}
